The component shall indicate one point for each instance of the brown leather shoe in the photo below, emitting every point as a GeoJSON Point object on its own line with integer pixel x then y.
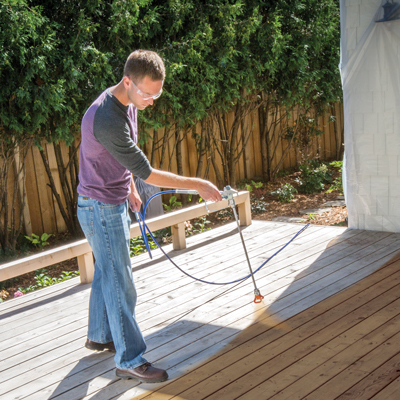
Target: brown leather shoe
{"type": "Point", "coordinates": [144, 373]}
{"type": "Point", "coordinates": [100, 346]}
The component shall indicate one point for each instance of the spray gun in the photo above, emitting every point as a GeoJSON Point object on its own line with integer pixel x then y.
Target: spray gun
{"type": "Point", "coordinates": [228, 194]}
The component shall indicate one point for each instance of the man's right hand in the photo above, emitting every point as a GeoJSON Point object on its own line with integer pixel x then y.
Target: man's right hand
{"type": "Point", "coordinates": [206, 189]}
{"type": "Point", "coordinates": [209, 192]}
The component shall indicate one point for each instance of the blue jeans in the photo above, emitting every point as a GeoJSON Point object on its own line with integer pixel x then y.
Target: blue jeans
{"type": "Point", "coordinates": [113, 295]}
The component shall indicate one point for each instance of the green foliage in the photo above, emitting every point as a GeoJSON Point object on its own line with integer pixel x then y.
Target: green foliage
{"type": "Point", "coordinates": [285, 193]}
{"type": "Point", "coordinates": [198, 226]}
{"type": "Point", "coordinates": [283, 173]}
{"type": "Point", "coordinates": [39, 241]}
{"type": "Point", "coordinates": [304, 130]}
{"type": "Point", "coordinates": [313, 178]}
{"type": "Point", "coordinates": [57, 56]}
{"type": "Point", "coordinates": [249, 185]}
{"type": "Point", "coordinates": [258, 206]}
{"type": "Point", "coordinates": [43, 279]}
{"type": "Point", "coordinates": [310, 217]}
{"type": "Point", "coordinates": [225, 214]}
{"type": "Point", "coordinates": [173, 204]}
{"type": "Point", "coordinates": [137, 245]}
{"type": "Point", "coordinates": [254, 185]}
{"type": "Point", "coordinates": [337, 183]}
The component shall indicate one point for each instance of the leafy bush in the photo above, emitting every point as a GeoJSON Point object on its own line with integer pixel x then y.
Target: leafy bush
{"type": "Point", "coordinates": [254, 185]}
{"type": "Point", "coordinates": [258, 205]}
{"type": "Point", "coordinates": [249, 185]}
{"type": "Point", "coordinates": [39, 241]}
{"type": "Point", "coordinates": [313, 178]}
{"type": "Point", "coordinates": [43, 279]}
{"type": "Point", "coordinates": [137, 245]}
{"type": "Point", "coordinates": [173, 204]}
{"type": "Point", "coordinates": [337, 183]}
{"type": "Point", "coordinates": [197, 227]}
{"type": "Point", "coordinates": [285, 193]}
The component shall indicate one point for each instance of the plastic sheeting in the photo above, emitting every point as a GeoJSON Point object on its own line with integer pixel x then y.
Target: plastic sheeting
{"type": "Point", "coordinates": [371, 92]}
{"type": "Point", "coordinates": [145, 190]}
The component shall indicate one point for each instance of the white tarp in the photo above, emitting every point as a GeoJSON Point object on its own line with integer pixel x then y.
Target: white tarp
{"type": "Point", "coordinates": [371, 93]}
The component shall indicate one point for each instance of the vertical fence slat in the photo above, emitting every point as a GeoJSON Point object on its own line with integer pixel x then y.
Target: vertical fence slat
{"type": "Point", "coordinates": [45, 195]}
{"type": "Point", "coordinates": [23, 196]}
{"type": "Point", "coordinates": [32, 192]}
{"type": "Point", "coordinates": [51, 156]}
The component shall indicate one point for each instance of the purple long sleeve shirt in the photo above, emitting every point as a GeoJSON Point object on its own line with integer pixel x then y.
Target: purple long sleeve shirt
{"type": "Point", "coordinates": [108, 153]}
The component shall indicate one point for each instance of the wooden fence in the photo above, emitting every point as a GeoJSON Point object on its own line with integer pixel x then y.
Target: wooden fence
{"type": "Point", "coordinates": [43, 215]}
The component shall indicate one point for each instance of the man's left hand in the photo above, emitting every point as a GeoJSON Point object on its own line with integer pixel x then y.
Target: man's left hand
{"type": "Point", "coordinates": [134, 199]}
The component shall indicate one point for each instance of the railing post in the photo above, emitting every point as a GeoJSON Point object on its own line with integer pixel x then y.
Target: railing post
{"type": "Point", "coordinates": [178, 236]}
{"type": "Point", "coordinates": [86, 267]}
{"type": "Point", "coordinates": [244, 210]}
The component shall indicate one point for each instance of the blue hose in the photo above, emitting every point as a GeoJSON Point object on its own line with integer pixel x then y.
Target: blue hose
{"type": "Point", "coordinates": [143, 229]}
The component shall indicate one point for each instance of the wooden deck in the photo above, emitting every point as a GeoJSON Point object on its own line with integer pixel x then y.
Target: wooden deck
{"type": "Point", "coordinates": [329, 326]}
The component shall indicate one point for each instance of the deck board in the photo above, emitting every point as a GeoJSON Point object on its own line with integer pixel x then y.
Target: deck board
{"type": "Point", "coordinates": [329, 322]}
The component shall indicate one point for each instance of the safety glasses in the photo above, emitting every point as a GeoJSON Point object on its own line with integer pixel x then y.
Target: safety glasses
{"type": "Point", "coordinates": [146, 96]}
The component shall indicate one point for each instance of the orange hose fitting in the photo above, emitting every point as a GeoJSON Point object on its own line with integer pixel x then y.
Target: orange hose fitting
{"type": "Point", "coordinates": [258, 298]}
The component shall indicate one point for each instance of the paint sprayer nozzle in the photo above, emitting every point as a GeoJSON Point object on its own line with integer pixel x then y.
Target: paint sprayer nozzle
{"type": "Point", "coordinates": [258, 297]}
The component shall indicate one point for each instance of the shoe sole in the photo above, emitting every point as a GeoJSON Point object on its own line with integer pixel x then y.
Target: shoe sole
{"type": "Point", "coordinates": [141, 380]}
{"type": "Point", "coordinates": [99, 348]}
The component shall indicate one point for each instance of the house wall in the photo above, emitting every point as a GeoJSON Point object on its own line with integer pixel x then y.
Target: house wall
{"type": "Point", "coordinates": [369, 64]}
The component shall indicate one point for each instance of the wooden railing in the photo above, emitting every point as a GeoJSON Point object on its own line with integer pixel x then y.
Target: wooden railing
{"type": "Point", "coordinates": [83, 252]}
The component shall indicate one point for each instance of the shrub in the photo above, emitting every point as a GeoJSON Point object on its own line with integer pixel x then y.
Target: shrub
{"type": "Point", "coordinates": [173, 204]}
{"type": "Point", "coordinates": [313, 178]}
{"type": "Point", "coordinates": [337, 183]}
{"type": "Point", "coordinates": [285, 193]}
{"type": "Point", "coordinates": [258, 205]}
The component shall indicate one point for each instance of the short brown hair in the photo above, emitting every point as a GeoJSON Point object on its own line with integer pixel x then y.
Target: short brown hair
{"type": "Point", "coordinates": [143, 63]}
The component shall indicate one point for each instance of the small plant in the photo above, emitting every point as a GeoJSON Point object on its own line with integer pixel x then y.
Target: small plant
{"type": "Point", "coordinates": [284, 172]}
{"type": "Point", "coordinates": [43, 279]}
{"type": "Point", "coordinates": [200, 225]}
{"type": "Point", "coordinates": [137, 245]}
{"type": "Point", "coordinates": [313, 177]}
{"type": "Point", "coordinates": [39, 241]}
{"type": "Point", "coordinates": [258, 205]}
{"type": "Point", "coordinates": [285, 193]}
{"type": "Point", "coordinates": [249, 185]}
{"type": "Point", "coordinates": [225, 214]}
{"type": "Point", "coordinates": [65, 275]}
{"type": "Point", "coordinates": [253, 185]}
{"type": "Point", "coordinates": [337, 183]}
{"type": "Point", "coordinates": [173, 204]}
{"type": "Point", "coordinates": [311, 217]}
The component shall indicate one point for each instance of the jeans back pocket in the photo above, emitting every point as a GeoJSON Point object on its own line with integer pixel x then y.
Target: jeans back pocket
{"type": "Point", "coordinates": [85, 216]}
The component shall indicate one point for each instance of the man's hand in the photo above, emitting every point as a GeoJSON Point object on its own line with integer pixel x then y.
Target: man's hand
{"type": "Point", "coordinates": [134, 199]}
{"type": "Point", "coordinates": [206, 189]}
{"type": "Point", "coordinates": [209, 191]}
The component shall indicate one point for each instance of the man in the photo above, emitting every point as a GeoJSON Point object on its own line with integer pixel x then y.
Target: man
{"type": "Point", "coordinates": [108, 158]}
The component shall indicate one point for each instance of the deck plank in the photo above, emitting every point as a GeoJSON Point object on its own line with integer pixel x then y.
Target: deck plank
{"type": "Point", "coordinates": [213, 340]}
{"type": "Point", "coordinates": [390, 392]}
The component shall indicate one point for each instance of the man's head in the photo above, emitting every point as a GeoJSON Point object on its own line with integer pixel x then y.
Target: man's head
{"type": "Point", "coordinates": [144, 75]}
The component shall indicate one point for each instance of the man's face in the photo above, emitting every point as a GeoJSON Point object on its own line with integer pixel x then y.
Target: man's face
{"type": "Point", "coordinates": [141, 94]}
